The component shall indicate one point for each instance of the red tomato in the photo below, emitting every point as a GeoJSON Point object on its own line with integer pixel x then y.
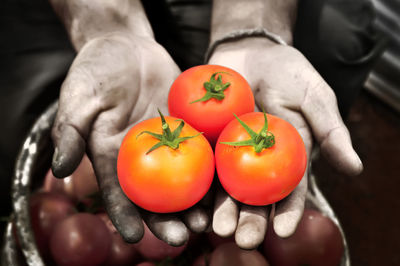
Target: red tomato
{"type": "Point", "coordinates": [212, 115]}
{"type": "Point", "coordinates": [121, 252]}
{"type": "Point", "coordinates": [230, 254]}
{"type": "Point", "coordinates": [81, 239]}
{"type": "Point", "coordinates": [146, 263]}
{"type": "Point", "coordinates": [47, 209]}
{"type": "Point", "coordinates": [316, 242]}
{"type": "Point", "coordinates": [78, 186]}
{"type": "Point", "coordinates": [165, 179]}
{"type": "Point", "coordinates": [216, 240]}
{"type": "Point", "coordinates": [267, 176]}
{"type": "Point", "coordinates": [152, 248]}
{"type": "Point", "coordinates": [202, 260]}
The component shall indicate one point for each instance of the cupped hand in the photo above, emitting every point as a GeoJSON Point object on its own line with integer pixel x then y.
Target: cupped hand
{"type": "Point", "coordinates": [284, 84]}
{"type": "Point", "coordinates": [116, 81]}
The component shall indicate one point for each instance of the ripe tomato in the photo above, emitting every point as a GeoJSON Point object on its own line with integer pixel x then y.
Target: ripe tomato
{"type": "Point", "coordinates": [266, 176]}
{"type": "Point", "coordinates": [81, 239]}
{"type": "Point", "coordinates": [165, 179]}
{"type": "Point", "coordinates": [317, 242]}
{"type": "Point", "coordinates": [121, 252]}
{"type": "Point", "coordinates": [79, 186]}
{"type": "Point", "coordinates": [46, 210]}
{"type": "Point", "coordinates": [152, 248]}
{"type": "Point", "coordinates": [230, 254]}
{"type": "Point", "coordinates": [232, 95]}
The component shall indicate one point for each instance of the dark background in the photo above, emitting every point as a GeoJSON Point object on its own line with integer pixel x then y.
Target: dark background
{"type": "Point", "coordinates": [368, 205]}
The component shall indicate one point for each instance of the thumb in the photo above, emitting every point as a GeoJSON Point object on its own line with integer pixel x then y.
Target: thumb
{"type": "Point", "coordinates": [76, 111]}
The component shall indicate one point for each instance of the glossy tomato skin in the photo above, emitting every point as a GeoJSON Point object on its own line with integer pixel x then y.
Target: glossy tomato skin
{"type": "Point", "coordinates": [230, 254]}
{"type": "Point", "coordinates": [213, 115]}
{"type": "Point", "coordinates": [121, 252]}
{"type": "Point", "coordinates": [152, 248]}
{"type": "Point", "coordinates": [260, 178]}
{"type": "Point", "coordinates": [164, 180]}
{"type": "Point", "coordinates": [316, 242]}
{"type": "Point", "coordinates": [47, 209]}
{"type": "Point", "coordinates": [78, 186]}
{"type": "Point", "coordinates": [81, 239]}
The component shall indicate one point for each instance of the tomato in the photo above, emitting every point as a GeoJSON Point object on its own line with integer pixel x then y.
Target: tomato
{"type": "Point", "coordinates": [317, 241]}
{"type": "Point", "coordinates": [212, 115]}
{"type": "Point", "coordinates": [230, 254]}
{"type": "Point", "coordinates": [152, 248]}
{"type": "Point", "coordinates": [165, 179]}
{"type": "Point", "coordinates": [202, 260]}
{"type": "Point", "coordinates": [216, 240]}
{"type": "Point", "coordinates": [78, 186]}
{"type": "Point", "coordinates": [146, 263]}
{"type": "Point", "coordinates": [81, 239]}
{"type": "Point", "coordinates": [121, 252]}
{"type": "Point", "coordinates": [269, 167]}
{"type": "Point", "coordinates": [46, 210]}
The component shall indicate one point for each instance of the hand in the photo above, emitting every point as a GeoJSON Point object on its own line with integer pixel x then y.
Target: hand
{"type": "Point", "coordinates": [116, 81]}
{"type": "Point", "coordinates": [285, 84]}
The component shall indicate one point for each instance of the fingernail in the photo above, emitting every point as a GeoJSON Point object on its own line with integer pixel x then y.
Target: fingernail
{"type": "Point", "coordinates": [360, 166]}
{"type": "Point", "coordinates": [55, 164]}
{"type": "Point", "coordinates": [55, 156]}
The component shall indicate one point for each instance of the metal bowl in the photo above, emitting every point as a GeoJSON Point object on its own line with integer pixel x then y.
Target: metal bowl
{"type": "Point", "coordinates": [33, 161]}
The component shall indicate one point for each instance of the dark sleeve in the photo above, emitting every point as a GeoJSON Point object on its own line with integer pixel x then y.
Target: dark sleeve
{"type": "Point", "coordinates": [339, 38]}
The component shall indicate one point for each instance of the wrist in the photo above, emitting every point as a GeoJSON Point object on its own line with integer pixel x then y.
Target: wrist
{"type": "Point", "coordinates": [88, 20]}
{"type": "Point", "coordinates": [276, 16]}
{"type": "Point", "coordinates": [240, 37]}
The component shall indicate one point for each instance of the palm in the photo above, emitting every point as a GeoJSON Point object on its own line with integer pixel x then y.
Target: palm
{"type": "Point", "coordinates": [113, 84]}
{"type": "Point", "coordinates": [284, 84]}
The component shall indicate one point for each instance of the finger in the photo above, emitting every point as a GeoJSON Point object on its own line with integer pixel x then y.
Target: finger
{"type": "Point", "coordinates": [122, 212]}
{"type": "Point", "coordinates": [252, 226]}
{"type": "Point", "coordinates": [167, 227]}
{"type": "Point", "coordinates": [76, 111]}
{"type": "Point", "coordinates": [103, 152]}
{"type": "Point", "coordinates": [225, 215]}
{"type": "Point", "coordinates": [322, 114]}
{"type": "Point", "coordinates": [289, 211]}
{"type": "Point", "coordinates": [198, 218]}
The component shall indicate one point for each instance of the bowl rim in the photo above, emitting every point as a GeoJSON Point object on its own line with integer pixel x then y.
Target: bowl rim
{"type": "Point", "coordinates": [22, 179]}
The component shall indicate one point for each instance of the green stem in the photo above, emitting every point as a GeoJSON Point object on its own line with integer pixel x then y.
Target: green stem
{"type": "Point", "coordinates": [263, 140]}
{"type": "Point", "coordinates": [214, 88]}
{"type": "Point", "coordinates": [167, 138]}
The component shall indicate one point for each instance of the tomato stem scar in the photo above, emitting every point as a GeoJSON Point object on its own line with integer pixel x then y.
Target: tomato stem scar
{"type": "Point", "coordinates": [262, 140]}
{"type": "Point", "coordinates": [168, 138]}
{"type": "Point", "coordinates": [214, 88]}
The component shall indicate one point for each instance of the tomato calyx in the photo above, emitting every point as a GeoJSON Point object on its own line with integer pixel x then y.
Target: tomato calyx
{"type": "Point", "coordinates": [262, 140]}
{"type": "Point", "coordinates": [168, 138]}
{"type": "Point", "coordinates": [214, 88]}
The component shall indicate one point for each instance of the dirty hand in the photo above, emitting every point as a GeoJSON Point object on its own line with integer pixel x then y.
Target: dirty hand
{"type": "Point", "coordinates": [116, 81]}
{"type": "Point", "coordinates": [285, 84]}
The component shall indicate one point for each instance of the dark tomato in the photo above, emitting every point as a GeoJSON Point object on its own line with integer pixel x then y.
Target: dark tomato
{"type": "Point", "coordinates": [216, 240]}
{"type": "Point", "coordinates": [121, 252]}
{"type": "Point", "coordinates": [78, 186]}
{"type": "Point", "coordinates": [152, 248]}
{"type": "Point", "coordinates": [316, 242]}
{"type": "Point", "coordinates": [229, 254]}
{"type": "Point", "coordinates": [81, 239]}
{"type": "Point", "coordinates": [47, 209]}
